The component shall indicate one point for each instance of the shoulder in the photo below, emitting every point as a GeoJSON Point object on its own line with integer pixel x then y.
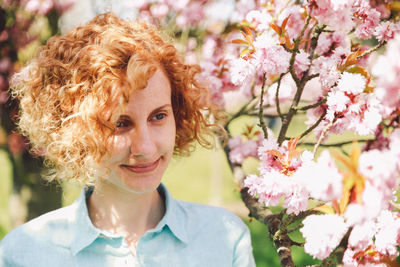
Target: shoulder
{"type": "Point", "coordinates": [212, 219]}
{"type": "Point", "coordinates": [220, 230]}
{"type": "Point", "coordinates": [218, 214]}
{"type": "Point", "coordinates": [50, 230]}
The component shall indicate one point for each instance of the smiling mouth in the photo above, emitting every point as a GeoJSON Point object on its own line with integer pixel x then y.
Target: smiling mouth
{"type": "Point", "coordinates": [142, 168]}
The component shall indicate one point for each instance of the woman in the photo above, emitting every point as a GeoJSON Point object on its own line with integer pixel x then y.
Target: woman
{"type": "Point", "coordinates": [109, 104]}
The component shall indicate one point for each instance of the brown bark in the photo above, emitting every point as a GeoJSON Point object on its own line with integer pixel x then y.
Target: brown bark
{"type": "Point", "coordinates": [281, 240]}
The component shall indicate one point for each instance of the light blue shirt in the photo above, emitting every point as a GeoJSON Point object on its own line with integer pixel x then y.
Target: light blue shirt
{"type": "Point", "coordinates": [188, 235]}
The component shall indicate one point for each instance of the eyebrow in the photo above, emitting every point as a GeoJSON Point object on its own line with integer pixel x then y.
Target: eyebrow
{"type": "Point", "coordinates": [152, 112]}
{"type": "Point", "coordinates": [162, 107]}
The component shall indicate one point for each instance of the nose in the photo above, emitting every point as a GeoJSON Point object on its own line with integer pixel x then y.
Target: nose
{"type": "Point", "coordinates": [142, 142]}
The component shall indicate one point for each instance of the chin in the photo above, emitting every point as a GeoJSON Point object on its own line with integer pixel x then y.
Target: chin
{"type": "Point", "coordinates": [141, 188]}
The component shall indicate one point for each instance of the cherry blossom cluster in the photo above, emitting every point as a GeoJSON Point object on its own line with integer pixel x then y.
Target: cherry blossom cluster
{"type": "Point", "coordinates": [187, 12]}
{"type": "Point", "coordinates": [240, 150]}
{"type": "Point", "coordinates": [295, 177]}
{"type": "Point", "coordinates": [309, 60]}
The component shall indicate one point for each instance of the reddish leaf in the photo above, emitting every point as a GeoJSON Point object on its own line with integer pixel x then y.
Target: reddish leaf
{"type": "Point", "coordinates": [239, 41]}
{"type": "Point", "coordinates": [285, 21]}
{"type": "Point", "coordinates": [276, 28]}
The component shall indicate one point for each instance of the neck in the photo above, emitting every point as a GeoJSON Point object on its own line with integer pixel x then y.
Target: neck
{"type": "Point", "coordinates": [125, 213]}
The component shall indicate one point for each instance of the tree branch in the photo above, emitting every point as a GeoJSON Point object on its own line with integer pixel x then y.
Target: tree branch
{"type": "Point", "coordinates": [282, 241]}
{"type": "Point", "coordinates": [372, 49]}
{"type": "Point", "coordinates": [300, 85]}
{"type": "Point", "coordinates": [278, 108]}
{"type": "Point", "coordinates": [336, 144]}
{"type": "Point", "coordinates": [261, 110]}
{"type": "Point", "coordinates": [314, 125]}
{"type": "Point", "coordinates": [319, 103]}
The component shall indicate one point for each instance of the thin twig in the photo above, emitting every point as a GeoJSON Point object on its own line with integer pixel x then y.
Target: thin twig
{"type": "Point", "coordinates": [322, 136]}
{"type": "Point", "coordinates": [372, 49]}
{"type": "Point", "coordinates": [314, 125]}
{"type": "Point", "coordinates": [242, 111]}
{"type": "Point", "coordinates": [261, 110]}
{"type": "Point", "coordinates": [311, 76]}
{"type": "Point", "coordinates": [278, 108]}
{"type": "Point", "coordinates": [339, 144]}
{"type": "Point", "coordinates": [319, 103]}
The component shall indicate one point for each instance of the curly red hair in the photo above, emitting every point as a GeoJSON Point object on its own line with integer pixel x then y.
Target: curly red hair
{"type": "Point", "coordinates": [73, 91]}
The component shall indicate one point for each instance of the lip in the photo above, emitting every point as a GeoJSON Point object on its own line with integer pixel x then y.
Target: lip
{"type": "Point", "coordinates": [142, 168]}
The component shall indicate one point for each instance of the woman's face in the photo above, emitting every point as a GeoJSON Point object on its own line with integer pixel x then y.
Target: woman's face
{"type": "Point", "coordinates": [144, 140]}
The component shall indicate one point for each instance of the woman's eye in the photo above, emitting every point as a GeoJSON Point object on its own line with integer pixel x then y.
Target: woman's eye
{"type": "Point", "coordinates": [121, 124]}
{"type": "Point", "coordinates": [159, 116]}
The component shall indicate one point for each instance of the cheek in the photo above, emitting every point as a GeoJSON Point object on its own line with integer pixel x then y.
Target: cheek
{"type": "Point", "coordinates": [119, 148]}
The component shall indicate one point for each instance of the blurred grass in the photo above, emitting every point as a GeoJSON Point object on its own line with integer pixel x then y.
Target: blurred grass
{"type": "Point", "coordinates": [6, 175]}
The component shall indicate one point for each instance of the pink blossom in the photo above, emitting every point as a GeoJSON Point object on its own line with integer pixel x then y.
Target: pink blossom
{"type": "Point", "coordinates": [41, 7]}
{"type": "Point", "coordinates": [337, 15]}
{"type": "Point", "coordinates": [387, 71]}
{"type": "Point", "coordinates": [177, 5]}
{"type": "Point", "coordinates": [322, 234]}
{"type": "Point", "coordinates": [5, 65]}
{"type": "Point", "coordinates": [145, 16]}
{"type": "Point", "coordinates": [340, 55]}
{"type": "Point", "coordinates": [190, 15]}
{"type": "Point", "coordinates": [4, 96]}
{"type": "Point", "coordinates": [368, 19]}
{"type": "Point", "coordinates": [351, 83]}
{"type": "Point", "coordinates": [296, 197]}
{"type": "Point", "coordinates": [267, 160]}
{"type": "Point", "coordinates": [270, 58]}
{"type": "Point", "coordinates": [260, 19]}
{"type": "Point", "coordinates": [328, 42]}
{"type": "Point", "coordinates": [380, 235]}
{"type": "Point", "coordinates": [241, 150]}
{"type": "Point", "coordinates": [268, 189]}
{"type": "Point", "coordinates": [242, 7]}
{"type": "Point", "coordinates": [348, 258]}
{"type": "Point", "coordinates": [361, 237]}
{"type": "Point", "coordinates": [279, 179]}
{"type": "Point", "coordinates": [253, 183]}
{"type": "Point", "coordinates": [159, 10]}
{"type": "Point", "coordinates": [354, 214]}
{"type": "Point", "coordinates": [394, 144]}
{"type": "Point", "coordinates": [241, 71]}
{"type": "Point", "coordinates": [337, 102]}
{"type": "Point", "coordinates": [386, 30]}
{"type": "Point", "coordinates": [351, 108]}
{"type": "Point", "coordinates": [322, 179]}
{"type": "Point", "coordinates": [296, 19]}
{"type": "Point", "coordinates": [374, 201]}
{"type": "Point", "coordinates": [302, 62]}
{"type": "Point", "coordinates": [388, 233]}
{"type": "Point", "coordinates": [17, 144]}
{"type": "Point", "coordinates": [208, 48]}
{"type": "Point", "coordinates": [328, 72]}
{"type": "Point", "coordinates": [324, 43]}
{"type": "Point", "coordinates": [382, 174]}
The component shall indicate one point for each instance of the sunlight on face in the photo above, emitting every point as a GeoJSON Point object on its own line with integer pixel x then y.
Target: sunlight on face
{"type": "Point", "coordinates": [144, 140]}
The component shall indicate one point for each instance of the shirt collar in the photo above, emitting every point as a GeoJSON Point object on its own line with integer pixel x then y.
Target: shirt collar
{"type": "Point", "coordinates": [83, 229]}
{"type": "Point", "coordinates": [85, 232]}
{"type": "Point", "coordinates": [174, 216]}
